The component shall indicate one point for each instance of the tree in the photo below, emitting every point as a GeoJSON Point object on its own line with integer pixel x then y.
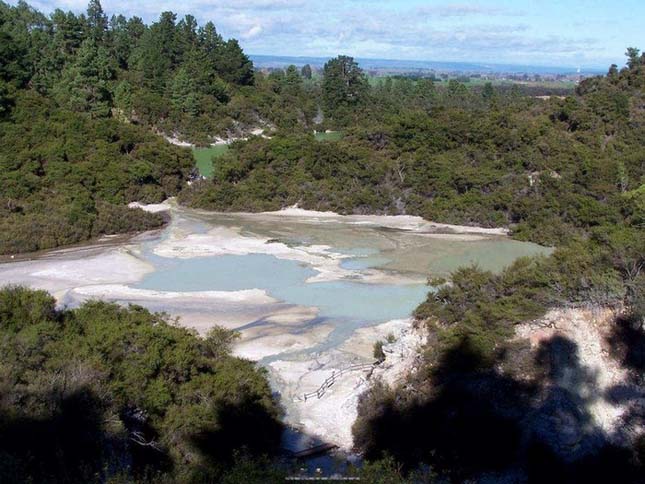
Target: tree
{"type": "Point", "coordinates": [210, 40]}
{"type": "Point", "coordinates": [182, 93]}
{"type": "Point", "coordinates": [97, 21]}
{"type": "Point", "coordinates": [633, 57]}
{"type": "Point", "coordinates": [377, 351]}
{"type": "Point", "coordinates": [69, 32]}
{"type": "Point", "coordinates": [186, 35]}
{"type": "Point", "coordinates": [292, 81]}
{"type": "Point", "coordinates": [488, 92]}
{"type": "Point", "coordinates": [489, 95]}
{"type": "Point", "coordinates": [306, 71]}
{"type": "Point", "coordinates": [201, 70]}
{"type": "Point", "coordinates": [120, 43]}
{"type": "Point", "coordinates": [5, 98]}
{"type": "Point", "coordinates": [457, 92]}
{"type": "Point", "coordinates": [425, 89]}
{"type": "Point", "coordinates": [156, 55]}
{"type": "Point", "coordinates": [13, 67]}
{"type": "Point", "coordinates": [344, 86]}
{"type": "Point", "coordinates": [123, 96]}
{"type": "Point", "coordinates": [85, 83]}
{"type": "Point", "coordinates": [233, 65]}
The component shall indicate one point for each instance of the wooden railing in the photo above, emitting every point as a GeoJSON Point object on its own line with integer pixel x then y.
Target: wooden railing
{"type": "Point", "coordinates": [332, 379]}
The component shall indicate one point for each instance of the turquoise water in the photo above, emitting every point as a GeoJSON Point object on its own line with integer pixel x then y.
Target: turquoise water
{"type": "Point", "coordinates": [345, 305]}
{"type": "Point", "coordinates": [285, 280]}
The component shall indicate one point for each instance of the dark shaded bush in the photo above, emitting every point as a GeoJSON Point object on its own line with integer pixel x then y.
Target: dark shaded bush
{"type": "Point", "coordinates": [119, 219]}
{"type": "Point", "coordinates": [102, 391]}
{"type": "Point", "coordinates": [467, 419]}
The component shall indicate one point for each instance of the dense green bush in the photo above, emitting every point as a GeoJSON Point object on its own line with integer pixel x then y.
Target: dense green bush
{"type": "Point", "coordinates": [90, 393]}
{"type": "Point", "coordinates": [66, 177]}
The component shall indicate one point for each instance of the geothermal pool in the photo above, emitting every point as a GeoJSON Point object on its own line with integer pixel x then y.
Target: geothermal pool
{"type": "Point", "coordinates": [309, 292]}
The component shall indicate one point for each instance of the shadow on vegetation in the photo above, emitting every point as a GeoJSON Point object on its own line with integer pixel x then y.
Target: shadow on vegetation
{"type": "Point", "coordinates": [77, 407]}
{"type": "Point", "coordinates": [468, 419]}
{"type": "Point", "coordinates": [61, 446]}
{"type": "Point", "coordinates": [71, 444]}
{"type": "Point", "coordinates": [244, 425]}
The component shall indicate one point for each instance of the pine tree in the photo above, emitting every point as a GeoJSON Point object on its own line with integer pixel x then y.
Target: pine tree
{"type": "Point", "coordinates": [425, 90]}
{"type": "Point", "coordinates": [186, 35]}
{"type": "Point", "coordinates": [306, 71]}
{"type": "Point", "coordinates": [233, 65]}
{"type": "Point", "coordinates": [292, 81]}
{"type": "Point", "coordinates": [488, 92]}
{"type": "Point", "coordinates": [5, 98]}
{"type": "Point", "coordinates": [344, 84]}
{"type": "Point", "coordinates": [13, 67]}
{"type": "Point", "coordinates": [204, 75]}
{"type": "Point", "coordinates": [84, 86]}
{"type": "Point", "coordinates": [633, 58]}
{"type": "Point", "coordinates": [182, 93]}
{"type": "Point", "coordinates": [165, 34]}
{"type": "Point", "coordinates": [210, 40]}
{"type": "Point", "coordinates": [120, 43]}
{"type": "Point", "coordinates": [97, 21]}
{"type": "Point", "coordinates": [69, 33]}
{"type": "Point", "coordinates": [123, 96]}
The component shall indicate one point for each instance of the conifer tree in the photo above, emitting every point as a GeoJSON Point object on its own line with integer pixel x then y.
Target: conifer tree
{"type": "Point", "coordinates": [306, 71]}
{"type": "Point", "coordinates": [233, 64]}
{"type": "Point", "coordinates": [182, 93]}
{"type": "Point", "coordinates": [97, 21]}
{"type": "Point", "coordinates": [344, 84]}
{"type": "Point", "coordinates": [85, 83]}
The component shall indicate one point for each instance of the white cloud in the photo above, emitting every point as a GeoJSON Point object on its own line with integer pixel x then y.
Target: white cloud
{"type": "Point", "coordinates": [252, 32]}
{"type": "Point", "coordinates": [458, 10]}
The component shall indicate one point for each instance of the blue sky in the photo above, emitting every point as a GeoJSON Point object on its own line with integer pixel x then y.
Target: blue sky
{"type": "Point", "coordinates": [587, 33]}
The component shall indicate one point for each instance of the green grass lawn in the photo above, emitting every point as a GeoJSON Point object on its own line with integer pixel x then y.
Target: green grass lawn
{"type": "Point", "coordinates": [204, 158]}
{"type": "Point", "coordinates": [333, 136]}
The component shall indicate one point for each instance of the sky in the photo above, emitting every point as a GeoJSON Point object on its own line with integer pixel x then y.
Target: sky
{"type": "Point", "coordinates": [571, 33]}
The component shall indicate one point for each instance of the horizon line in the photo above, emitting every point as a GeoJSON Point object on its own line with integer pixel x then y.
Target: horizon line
{"type": "Point", "coordinates": [594, 68]}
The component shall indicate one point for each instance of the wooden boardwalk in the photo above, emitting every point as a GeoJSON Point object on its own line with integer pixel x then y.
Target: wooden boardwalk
{"type": "Point", "coordinates": [332, 379]}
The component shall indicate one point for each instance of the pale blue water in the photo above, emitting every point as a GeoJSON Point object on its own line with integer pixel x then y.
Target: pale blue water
{"type": "Point", "coordinates": [285, 280]}
{"type": "Point", "coordinates": [225, 273]}
{"type": "Point", "coordinates": [346, 305]}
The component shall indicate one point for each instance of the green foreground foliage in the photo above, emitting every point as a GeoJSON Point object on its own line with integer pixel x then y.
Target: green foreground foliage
{"type": "Point", "coordinates": [98, 392]}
